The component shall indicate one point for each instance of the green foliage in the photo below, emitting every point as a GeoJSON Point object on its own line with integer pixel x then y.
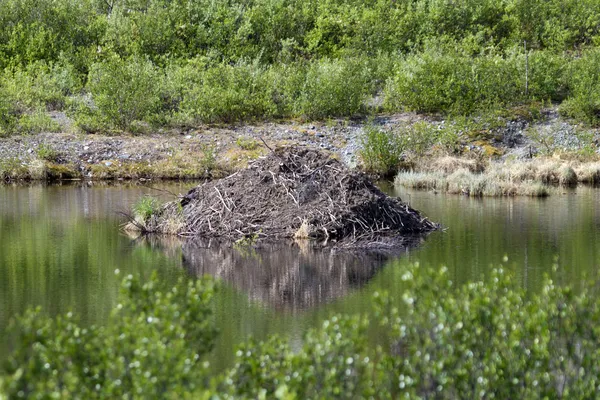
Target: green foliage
{"type": "Point", "coordinates": [381, 150]}
{"type": "Point", "coordinates": [247, 143]}
{"type": "Point", "coordinates": [332, 88]}
{"type": "Point", "coordinates": [124, 91]}
{"type": "Point", "coordinates": [207, 93]}
{"type": "Point", "coordinates": [330, 364]}
{"type": "Point", "coordinates": [209, 159]}
{"type": "Point", "coordinates": [152, 346]}
{"type": "Point", "coordinates": [37, 122]}
{"type": "Point", "coordinates": [442, 78]}
{"type": "Point", "coordinates": [583, 79]}
{"type": "Point", "coordinates": [146, 207]}
{"type": "Point", "coordinates": [490, 338]}
{"type": "Point", "coordinates": [487, 338]}
{"type": "Point", "coordinates": [27, 93]}
{"type": "Point", "coordinates": [158, 62]}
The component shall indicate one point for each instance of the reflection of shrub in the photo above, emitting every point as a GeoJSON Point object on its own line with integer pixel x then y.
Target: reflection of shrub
{"type": "Point", "coordinates": [124, 91]}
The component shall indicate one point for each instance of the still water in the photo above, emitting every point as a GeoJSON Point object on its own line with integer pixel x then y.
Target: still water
{"type": "Point", "coordinates": [60, 247]}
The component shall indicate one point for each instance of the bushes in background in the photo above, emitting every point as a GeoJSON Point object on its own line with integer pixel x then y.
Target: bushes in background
{"type": "Point", "coordinates": [217, 61]}
{"type": "Point", "coordinates": [583, 80]}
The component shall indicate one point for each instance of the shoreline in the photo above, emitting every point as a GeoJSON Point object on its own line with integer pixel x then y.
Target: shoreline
{"type": "Point", "coordinates": [480, 153]}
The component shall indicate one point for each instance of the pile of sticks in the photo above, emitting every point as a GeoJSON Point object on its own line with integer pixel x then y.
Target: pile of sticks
{"type": "Point", "coordinates": [295, 192]}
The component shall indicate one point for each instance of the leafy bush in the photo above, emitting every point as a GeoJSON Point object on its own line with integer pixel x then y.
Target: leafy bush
{"type": "Point", "coordinates": [333, 88]}
{"type": "Point", "coordinates": [151, 346]}
{"type": "Point", "coordinates": [331, 363]}
{"type": "Point", "coordinates": [124, 91]}
{"type": "Point", "coordinates": [26, 94]}
{"type": "Point", "coordinates": [381, 150]}
{"type": "Point", "coordinates": [444, 79]}
{"type": "Point", "coordinates": [37, 122]}
{"type": "Point", "coordinates": [207, 93]}
{"type": "Point", "coordinates": [583, 80]}
{"type": "Point", "coordinates": [491, 338]}
{"type": "Point", "coordinates": [145, 207]}
{"type": "Point", "coordinates": [482, 339]}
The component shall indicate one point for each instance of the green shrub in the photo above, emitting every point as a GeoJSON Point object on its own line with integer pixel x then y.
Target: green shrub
{"type": "Point", "coordinates": [490, 338]}
{"type": "Point", "coordinates": [123, 91]}
{"type": "Point", "coordinates": [332, 88]}
{"type": "Point", "coordinates": [381, 150]}
{"type": "Point", "coordinates": [146, 207]}
{"type": "Point", "coordinates": [436, 339]}
{"type": "Point", "coordinates": [332, 363]}
{"type": "Point", "coordinates": [583, 80]}
{"type": "Point", "coordinates": [442, 79]}
{"type": "Point", "coordinates": [37, 122]}
{"type": "Point", "coordinates": [152, 346]}
{"type": "Point", "coordinates": [207, 93]}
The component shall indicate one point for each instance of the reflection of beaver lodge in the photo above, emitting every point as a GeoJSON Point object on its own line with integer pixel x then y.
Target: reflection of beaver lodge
{"type": "Point", "coordinates": [294, 192]}
{"type": "Point", "coordinates": [286, 275]}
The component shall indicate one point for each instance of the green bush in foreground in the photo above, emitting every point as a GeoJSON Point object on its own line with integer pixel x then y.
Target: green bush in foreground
{"type": "Point", "coordinates": [151, 347]}
{"type": "Point", "coordinates": [484, 339]}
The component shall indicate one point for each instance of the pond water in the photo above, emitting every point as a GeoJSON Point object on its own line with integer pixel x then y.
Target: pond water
{"type": "Point", "coordinates": [60, 247]}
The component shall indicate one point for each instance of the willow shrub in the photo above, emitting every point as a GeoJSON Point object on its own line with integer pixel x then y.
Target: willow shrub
{"type": "Point", "coordinates": [479, 340]}
{"type": "Point", "coordinates": [151, 347]}
{"type": "Point", "coordinates": [483, 339]}
{"type": "Point", "coordinates": [381, 150]}
{"type": "Point", "coordinates": [442, 79]}
{"type": "Point", "coordinates": [333, 88]}
{"type": "Point", "coordinates": [27, 93]}
{"type": "Point", "coordinates": [204, 92]}
{"type": "Point", "coordinates": [123, 91]}
{"type": "Point", "coordinates": [583, 81]}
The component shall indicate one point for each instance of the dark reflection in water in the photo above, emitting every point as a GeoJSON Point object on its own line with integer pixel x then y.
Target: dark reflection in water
{"type": "Point", "coordinates": [287, 275]}
{"type": "Point", "coordinates": [60, 246]}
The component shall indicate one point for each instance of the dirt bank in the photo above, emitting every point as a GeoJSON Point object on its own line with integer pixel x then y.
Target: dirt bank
{"type": "Point", "coordinates": [216, 151]}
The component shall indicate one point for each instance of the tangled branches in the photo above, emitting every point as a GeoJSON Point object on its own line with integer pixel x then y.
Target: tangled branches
{"type": "Point", "coordinates": [296, 192]}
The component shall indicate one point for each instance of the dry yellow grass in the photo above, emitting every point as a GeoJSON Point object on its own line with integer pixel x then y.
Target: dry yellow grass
{"type": "Point", "coordinates": [510, 178]}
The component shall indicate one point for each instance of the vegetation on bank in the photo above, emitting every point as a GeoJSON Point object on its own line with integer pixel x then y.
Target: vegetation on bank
{"type": "Point", "coordinates": [535, 177]}
{"type": "Point", "coordinates": [132, 65]}
{"type": "Point", "coordinates": [481, 339]}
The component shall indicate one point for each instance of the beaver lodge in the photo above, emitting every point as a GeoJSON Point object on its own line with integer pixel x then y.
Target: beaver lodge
{"type": "Point", "coordinates": [292, 193]}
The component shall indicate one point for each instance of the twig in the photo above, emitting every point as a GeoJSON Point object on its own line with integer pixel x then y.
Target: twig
{"type": "Point", "coordinates": [266, 145]}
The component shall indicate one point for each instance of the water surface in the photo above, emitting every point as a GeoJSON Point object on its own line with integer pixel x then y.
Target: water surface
{"type": "Point", "coordinates": [60, 247]}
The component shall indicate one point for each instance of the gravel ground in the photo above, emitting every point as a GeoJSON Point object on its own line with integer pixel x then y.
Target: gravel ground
{"type": "Point", "coordinates": [342, 136]}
